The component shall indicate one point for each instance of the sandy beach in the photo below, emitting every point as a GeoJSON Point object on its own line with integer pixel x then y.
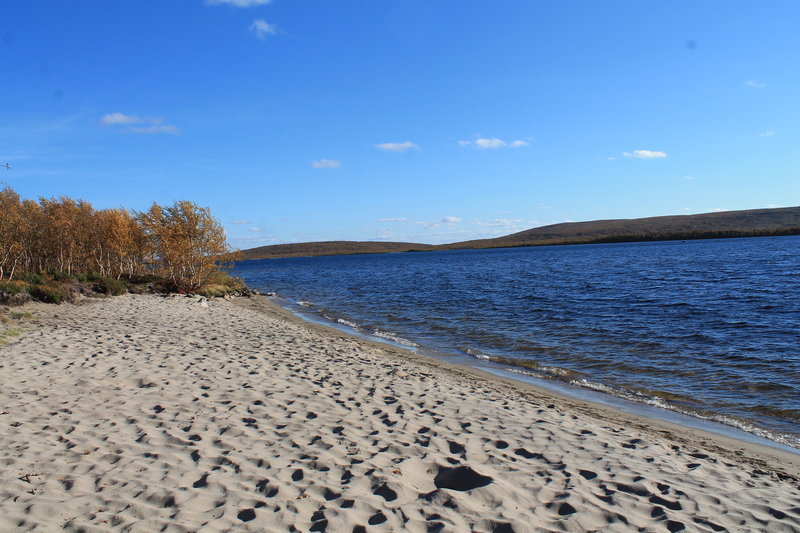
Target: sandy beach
{"type": "Point", "coordinates": [151, 413]}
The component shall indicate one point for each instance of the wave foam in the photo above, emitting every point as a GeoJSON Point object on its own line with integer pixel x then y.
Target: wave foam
{"type": "Point", "coordinates": [394, 338]}
{"type": "Point", "coordinates": [347, 323]}
{"type": "Point", "coordinates": [781, 438]}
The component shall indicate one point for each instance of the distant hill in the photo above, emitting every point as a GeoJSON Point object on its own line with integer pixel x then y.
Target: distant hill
{"type": "Point", "coordinates": [332, 248]}
{"type": "Point", "coordinates": [753, 222]}
{"type": "Point", "coordinates": [749, 223]}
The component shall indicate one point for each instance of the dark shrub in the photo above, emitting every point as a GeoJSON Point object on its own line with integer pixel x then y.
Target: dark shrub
{"type": "Point", "coordinates": [13, 293]}
{"type": "Point", "coordinates": [10, 288]}
{"type": "Point", "coordinates": [33, 279]}
{"type": "Point", "coordinates": [64, 276]}
{"type": "Point", "coordinates": [112, 286]}
{"type": "Point", "coordinates": [49, 294]}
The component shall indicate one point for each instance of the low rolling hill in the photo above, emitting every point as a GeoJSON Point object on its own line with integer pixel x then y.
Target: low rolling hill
{"type": "Point", "coordinates": [753, 222]}
{"type": "Point", "coordinates": [747, 223]}
{"type": "Point", "coordinates": [303, 249]}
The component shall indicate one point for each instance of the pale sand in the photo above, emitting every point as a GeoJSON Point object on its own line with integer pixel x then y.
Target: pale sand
{"type": "Point", "coordinates": [147, 413]}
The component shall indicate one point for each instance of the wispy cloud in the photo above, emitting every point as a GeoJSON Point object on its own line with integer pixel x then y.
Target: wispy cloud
{"type": "Point", "coordinates": [262, 28]}
{"type": "Point", "coordinates": [500, 223]}
{"type": "Point", "coordinates": [688, 177]}
{"type": "Point", "coordinates": [397, 147]}
{"type": "Point", "coordinates": [237, 3]}
{"type": "Point", "coordinates": [326, 163]}
{"type": "Point", "coordinates": [155, 124]}
{"type": "Point", "coordinates": [150, 130]}
{"type": "Point", "coordinates": [755, 84]}
{"type": "Point", "coordinates": [241, 222]}
{"type": "Point", "coordinates": [115, 119]}
{"type": "Point", "coordinates": [444, 221]}
{"type": "Point", "coordinates": [254, 229]}
{"type": "Point", "coordinates": [393, 219]}
{"type": "Point", "coordinates": [5, 157]}
{"type": "Point", "coordinates": [253, 240]}
{"type": "Point", "coordinates": [485, 143]}
{"type": "Point", "coordinates": [645, 154]}
{"type": "Point", "coordinates": [768, 133]}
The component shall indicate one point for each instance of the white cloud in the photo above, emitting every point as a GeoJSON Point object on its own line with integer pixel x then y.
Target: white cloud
{"type": "Point", "coordinates": [393, 219]}
{"type": "Point", "coordinates": [254, 229]}
{"type": "Point", "coordinates": [326, 163]}
{"type": "Point", "coordinates": [484, 143]}
{"type": "Point", "coordinates": [645, 154]}
{"type": "Point", "coordinates": [238, 3]}
{"type": "Point", "coordinates": [149, 130]}
{"type": "Point", "coordinates": [612, 158]}
{"type": "Point", "coordinates": [754, 84]}
{"type": "Point", "coordinates": [263, 28]}
{"type": "Point", "coordinates": [436, 223]}
{"type": "Point", "coordinates": [688, 177]}
{"type": "Point", "coordinates": [499, 222]}
{"type": "Point", "coordinates": [397, 147]}
{"type": "Point", "coordinates": [241, 222]}
{"type": "Point", "coordinates": [114, 119]}
{"type": "Point", "coordinates": [768, 133]}
{"type": "Point", "coordinates": [156, 123]}
{"type": "Point", "coordinates": [383, 235]}
{"type": "Point", "coordinates": [253, 240]}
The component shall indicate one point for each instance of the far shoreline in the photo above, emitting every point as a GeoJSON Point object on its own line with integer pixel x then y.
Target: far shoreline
{"type": "Point", "coordinates": [335, 248]}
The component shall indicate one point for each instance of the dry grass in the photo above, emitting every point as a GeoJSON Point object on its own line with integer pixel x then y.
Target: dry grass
{"type": "Point", "coordinates": [9, 332]}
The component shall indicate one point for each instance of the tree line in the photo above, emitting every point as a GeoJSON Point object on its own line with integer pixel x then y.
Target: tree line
{"type": "Point", "coordinates": [182, 243]}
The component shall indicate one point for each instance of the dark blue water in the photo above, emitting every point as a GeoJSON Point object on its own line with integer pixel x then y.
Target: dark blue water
{"type": "Point", "coordinates": [710, 328]}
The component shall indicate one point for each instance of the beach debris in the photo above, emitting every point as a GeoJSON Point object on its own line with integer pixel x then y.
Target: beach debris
{"type": "Point", "coordinates": [27, 477]}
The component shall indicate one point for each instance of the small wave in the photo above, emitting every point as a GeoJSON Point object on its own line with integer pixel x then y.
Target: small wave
{"type": "Point", "coordinates": [304, 303]}
{"type": "Point", "coordinates": [347, 323]}
{"type": "Point", "coordinates": [476, 353]}
{"type": "Point", "coordinates": [340, 320]}
{"type": "Point", "coordinates": [654, 401]}
{"type": "Point", "coordinates": [557, 371]}
{"type": "Point", "coordinates": [394, 338]}
{"type": "Point", "coordinates": [525, 372]}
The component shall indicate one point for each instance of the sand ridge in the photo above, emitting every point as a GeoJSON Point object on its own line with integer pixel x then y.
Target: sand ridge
{"type": "Point", "coordinates": [149, 413]}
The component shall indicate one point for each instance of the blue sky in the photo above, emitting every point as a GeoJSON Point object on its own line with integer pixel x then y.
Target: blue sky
{"type": "Point", "coordinates": [425, 121]}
